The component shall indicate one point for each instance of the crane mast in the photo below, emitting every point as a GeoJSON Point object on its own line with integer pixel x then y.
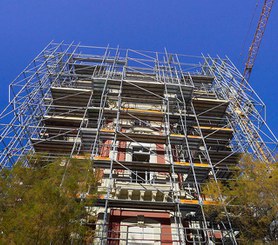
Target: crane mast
{"type": "Point", "coordinates": [254, 48]}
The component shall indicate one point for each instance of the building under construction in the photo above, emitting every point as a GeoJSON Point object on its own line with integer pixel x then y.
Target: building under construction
{"type": "Point", "coordinates": [157, 125]}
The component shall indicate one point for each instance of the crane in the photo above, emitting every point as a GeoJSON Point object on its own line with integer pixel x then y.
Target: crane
{"type": "Point", "coordinates": [252, 54]}
{"type": "Point", "coordinates": [254, 48]}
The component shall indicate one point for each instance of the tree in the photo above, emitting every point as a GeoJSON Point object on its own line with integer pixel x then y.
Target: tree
{"type": "Point", "coordinates": [252, 200]}
{"type": "Point", "coordinates": [36, 209]}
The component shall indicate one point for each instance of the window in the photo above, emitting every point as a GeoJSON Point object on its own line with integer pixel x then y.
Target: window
{"type": "Point", "coordinates": [141, 154]}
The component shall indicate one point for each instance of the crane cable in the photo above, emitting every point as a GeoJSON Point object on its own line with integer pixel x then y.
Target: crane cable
{"type": "Point", "coordinates": [241, 58]}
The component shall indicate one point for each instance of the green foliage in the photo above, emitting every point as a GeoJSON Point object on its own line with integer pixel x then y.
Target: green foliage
{"type": "Point", "coordinates": [251, 200]}
{"type": "Point", "coordinates": [255, 198]}
{"type": "Point", "coordinates": [36, 209]}
{"type": "Point", "coordinates": [213, 191]}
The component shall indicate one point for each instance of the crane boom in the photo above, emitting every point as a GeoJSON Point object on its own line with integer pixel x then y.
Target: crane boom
{"type": "Point", "coordinates": [254, 48]}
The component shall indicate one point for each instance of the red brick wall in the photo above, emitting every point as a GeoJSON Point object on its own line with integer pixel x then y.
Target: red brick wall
{"type": "Point", "coordinates": [160, 153]}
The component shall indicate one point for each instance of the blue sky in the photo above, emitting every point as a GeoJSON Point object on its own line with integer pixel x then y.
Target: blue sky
{"type": "Point", "coordinates": [190, 27]}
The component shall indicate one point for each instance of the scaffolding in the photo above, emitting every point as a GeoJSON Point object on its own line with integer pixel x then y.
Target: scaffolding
{"type": "Point", "coordinates": [158, 125]}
